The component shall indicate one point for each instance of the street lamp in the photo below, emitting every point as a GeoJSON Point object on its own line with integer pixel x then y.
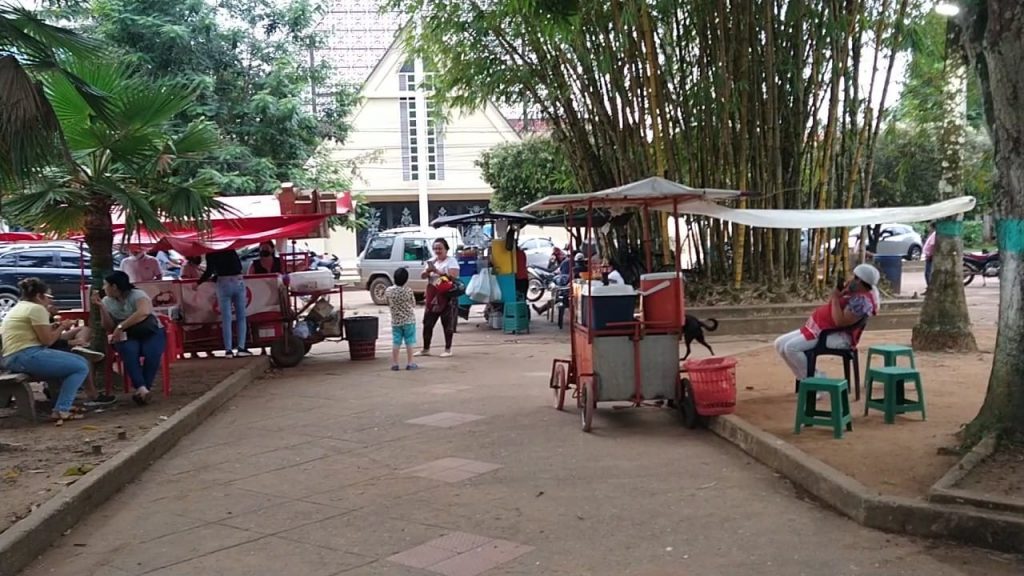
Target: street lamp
{"type": "Point", "coordinates": [948, 9]}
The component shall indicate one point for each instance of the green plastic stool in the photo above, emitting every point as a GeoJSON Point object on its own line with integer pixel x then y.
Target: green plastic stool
{"type": "Point", "coordinates": [890, 354]}
{"type": "Point", "coordinates": [894, 400]}
{"type": "Point", "coordinates": [807, 413]}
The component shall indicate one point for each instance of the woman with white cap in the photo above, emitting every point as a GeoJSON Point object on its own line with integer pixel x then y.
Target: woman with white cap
{"type": "Point", "coordinates": [848, 305]}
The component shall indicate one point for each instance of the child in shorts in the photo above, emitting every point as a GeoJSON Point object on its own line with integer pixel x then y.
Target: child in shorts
{"type": "Point", "coordinates": [402, 303]}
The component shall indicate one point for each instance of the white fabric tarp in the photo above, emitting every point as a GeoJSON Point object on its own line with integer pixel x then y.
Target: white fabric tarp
{"type": "Point", "coordinates": [801, 219]}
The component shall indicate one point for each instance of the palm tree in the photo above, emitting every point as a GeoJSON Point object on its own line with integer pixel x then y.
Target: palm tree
{"type": "Point", "coordinates": [30, 52]}
{"type": "Point", "coordinates": [127, 163]}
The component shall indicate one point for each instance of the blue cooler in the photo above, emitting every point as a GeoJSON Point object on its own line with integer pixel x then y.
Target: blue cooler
{"type": "Point", "coordinates": [467, 267]}
{"type": "Point", "coordinates": [612, 303]}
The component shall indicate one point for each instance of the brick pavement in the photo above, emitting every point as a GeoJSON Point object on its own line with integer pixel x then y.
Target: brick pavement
{"type": "Point", "coordinates": [464, 468]}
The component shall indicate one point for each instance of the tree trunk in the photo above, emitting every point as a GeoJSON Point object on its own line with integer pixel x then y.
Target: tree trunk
{"type": "Point", "coordinates": [994, 38]}
{"type": "Point", "coordinates": [99, 237]}
{"type": "Point", "coordinates": [945, 323]}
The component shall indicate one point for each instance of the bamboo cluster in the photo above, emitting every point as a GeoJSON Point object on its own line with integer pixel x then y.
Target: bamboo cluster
{"type": "Point", "coordinates": [771, 96]}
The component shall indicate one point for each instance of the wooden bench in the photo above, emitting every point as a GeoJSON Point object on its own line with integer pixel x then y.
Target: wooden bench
{"type": "Point", "coordinates": [17, 385]}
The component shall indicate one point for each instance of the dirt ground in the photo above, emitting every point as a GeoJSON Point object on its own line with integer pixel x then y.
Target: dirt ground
{"type": "Point", "coordinates": [1001, 474]}
{"type": "Point", "coordinates": [35, 459]}
{"type": "Point", "coordinates": [900, 459]}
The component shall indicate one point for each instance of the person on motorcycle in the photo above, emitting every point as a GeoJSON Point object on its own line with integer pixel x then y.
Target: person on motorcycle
{"type": "Point", "coordinates": [557, 256]}
{"type": "Point", "coordinates": [561, 279]}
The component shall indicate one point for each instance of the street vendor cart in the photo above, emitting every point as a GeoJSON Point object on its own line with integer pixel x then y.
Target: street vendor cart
{"type": "Point", "coordinates": [619, 355]}
{"type": "Point", "coordinates": [499, 253]}
{"type": "Point", "coordinates": [287, 313]}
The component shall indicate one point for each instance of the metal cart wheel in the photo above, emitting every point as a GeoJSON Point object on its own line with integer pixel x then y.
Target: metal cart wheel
{"type": "Point", "coordinates": [588, 398]}
{"type": "Point", "coordinates": [287, 351]}
{"type": "Point", "coordinates": [688, 406]}
{"type": "Point", "coordinates": [559, 384]}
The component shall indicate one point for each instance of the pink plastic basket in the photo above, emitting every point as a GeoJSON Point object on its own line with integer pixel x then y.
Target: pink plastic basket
{"type": "Point", "coordinates": [714, 385]}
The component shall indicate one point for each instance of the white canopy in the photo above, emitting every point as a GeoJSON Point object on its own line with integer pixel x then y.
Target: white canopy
{"type": "Point", "coordinates": [665, 195]}
{"type": "Point", "coordinates": [650, 191]}
{"type": "Point", "coordinates": [800, 219]}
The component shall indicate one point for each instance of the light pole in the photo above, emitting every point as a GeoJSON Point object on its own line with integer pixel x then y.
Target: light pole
{"type": "Point", "coordinates": [945, 323]}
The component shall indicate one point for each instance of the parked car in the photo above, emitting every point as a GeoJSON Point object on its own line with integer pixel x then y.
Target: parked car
{"type": "Point", "coordinates": [893, 239]}
{"type": "Point", "coordinates": [538, 251]}
{"type": "Point", "coordinates": [385, 253]}
{"type": "Point", "coordinates": [58, 265]}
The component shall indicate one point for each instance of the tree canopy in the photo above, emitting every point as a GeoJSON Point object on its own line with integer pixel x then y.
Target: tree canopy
{"type": "Point", "coordinates": [32, 51]}
{"type": "Point", "coordinates": [522, 172]}
{"type": "Point", "coordinates": [762, 96]}
{"type": "Point", "coordinates": [908, 159]}
{"type": "Point", "coordinates": [249, 61]}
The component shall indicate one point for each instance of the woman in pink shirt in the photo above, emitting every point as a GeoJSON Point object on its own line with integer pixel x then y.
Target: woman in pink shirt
{"type": "Point", "coordinates": [927, 252]}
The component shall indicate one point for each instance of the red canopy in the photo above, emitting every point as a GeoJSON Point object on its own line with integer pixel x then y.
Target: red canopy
{"type": "Point", "coordinates": [20, 236]}
{"type": "Point", "coordinates": [227, 234]}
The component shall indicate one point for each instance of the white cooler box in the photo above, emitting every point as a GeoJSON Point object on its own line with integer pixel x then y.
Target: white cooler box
{"type": "Point", "coordinates": [311, 280]}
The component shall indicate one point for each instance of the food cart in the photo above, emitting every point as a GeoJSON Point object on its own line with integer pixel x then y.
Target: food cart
{"type": "Point", "coordinates": [620, 356]}
{"type": "Point", "coordinates": [513, 310]}
{"type": "Point", "coordinates": [277, 306]}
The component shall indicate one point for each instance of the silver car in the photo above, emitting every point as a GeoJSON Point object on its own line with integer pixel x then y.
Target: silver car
{"type": "Point", "coordinates": [894, 239]}
{"type": "Point", "coordinates": [538, 251]}
{"type": "Point", "coordinates": [386, 253]}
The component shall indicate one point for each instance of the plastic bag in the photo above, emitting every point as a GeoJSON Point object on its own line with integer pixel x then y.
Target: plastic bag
{"type": "Point", "coordinates": [479, 287]}
{"type": "Point", "coordinates": [495, 288]}
{"type": "Point", "coordinates": [301, 330]}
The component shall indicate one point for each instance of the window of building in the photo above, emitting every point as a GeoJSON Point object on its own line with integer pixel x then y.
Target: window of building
{"type": "Point", "coordinates": [412, 154]}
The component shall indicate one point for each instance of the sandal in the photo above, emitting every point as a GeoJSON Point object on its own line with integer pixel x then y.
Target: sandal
{"type": "Point", "coordinates": [141, 398]}
{"type": "Point", "coordinates": [58, 418]}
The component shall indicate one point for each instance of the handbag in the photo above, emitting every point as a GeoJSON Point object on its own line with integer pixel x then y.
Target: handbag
{"type": "Point", "coordinates": [144, 329]}
{"type": "Point", "coordinates": [458, 288]}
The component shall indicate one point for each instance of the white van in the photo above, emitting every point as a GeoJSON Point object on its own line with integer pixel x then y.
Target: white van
{"type": "Point", "coordinates": [452, 235]}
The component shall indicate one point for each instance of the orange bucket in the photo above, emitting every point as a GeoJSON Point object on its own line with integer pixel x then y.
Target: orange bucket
{"type": "Point", "coordinates": [660, 302]}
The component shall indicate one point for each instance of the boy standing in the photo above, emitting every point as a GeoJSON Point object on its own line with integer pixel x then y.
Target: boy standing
{"type": "Point", "coordinates": [402, 303]}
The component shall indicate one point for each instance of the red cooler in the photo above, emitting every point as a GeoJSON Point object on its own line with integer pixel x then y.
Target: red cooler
{"type": "Point", "coordinates": [663, 298]}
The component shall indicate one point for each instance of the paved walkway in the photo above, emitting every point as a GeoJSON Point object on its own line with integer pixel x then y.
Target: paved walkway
{"type": "Point", "coordinates": [464, 468]}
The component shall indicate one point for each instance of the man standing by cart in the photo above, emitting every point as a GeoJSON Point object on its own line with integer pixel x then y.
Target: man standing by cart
{"type": "Point", "coordinates": [141, 267]}
{"type": "Point", "coordinates": [226, 268]}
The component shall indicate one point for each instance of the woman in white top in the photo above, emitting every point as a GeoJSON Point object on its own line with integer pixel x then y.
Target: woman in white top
{"type": "Point", "coordinates": [437, 303]}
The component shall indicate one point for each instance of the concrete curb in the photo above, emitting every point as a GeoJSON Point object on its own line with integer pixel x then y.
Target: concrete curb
{"type": "Point", "coordinates": [945, 490]}
{"type": "Point", "coordinates": [26, 540]}
{"type": "Point", "coordinates": [997, 531]}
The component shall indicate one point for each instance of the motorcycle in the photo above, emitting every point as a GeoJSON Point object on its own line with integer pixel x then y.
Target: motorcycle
{"type": "Point", "coordinates": [327, 262]}
{"type": "Point", "coordinates": [984, 264]}
{"type": "Point", "coordinates": [540, 278]}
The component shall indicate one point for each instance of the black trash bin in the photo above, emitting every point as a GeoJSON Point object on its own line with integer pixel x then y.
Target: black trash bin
{"type": "Point", "coordinates": [891, 268]}
{"type": "Point", "coordinates": [361, 333]}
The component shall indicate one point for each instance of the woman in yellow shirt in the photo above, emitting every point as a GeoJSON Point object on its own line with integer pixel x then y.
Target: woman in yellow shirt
{"type": "Point", "coordinates": [27, 336]}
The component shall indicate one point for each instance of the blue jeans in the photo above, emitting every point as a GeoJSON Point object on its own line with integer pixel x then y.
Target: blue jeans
{"type": "Point", "coordinates": [133, 352]}
{"type": "Point", "coordinates": [927, 272]}
{"type": "Point", "coordinates": [48, 364]}
{"type": "Point", "coordinates": [231, 291]}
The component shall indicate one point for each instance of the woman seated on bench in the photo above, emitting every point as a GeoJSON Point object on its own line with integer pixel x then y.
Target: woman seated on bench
{"type": "Point", "coordinates": [849, 304]}
{"type": "Point", "coordinates": [135, 331]}
{"type": "Point", "coordinates": [27, 337]}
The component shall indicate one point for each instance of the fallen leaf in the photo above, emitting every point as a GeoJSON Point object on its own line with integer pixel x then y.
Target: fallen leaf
{"type": "Point", "coordinates": [80, 470]}
{"type": "Point", "coordinates": [90, 427]}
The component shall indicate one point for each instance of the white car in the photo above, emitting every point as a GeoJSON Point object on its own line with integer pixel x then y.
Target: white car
{"type": "Point", "coordinates": [538, 251]}
{"type": "Point", "coordinates": [893, 239]}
